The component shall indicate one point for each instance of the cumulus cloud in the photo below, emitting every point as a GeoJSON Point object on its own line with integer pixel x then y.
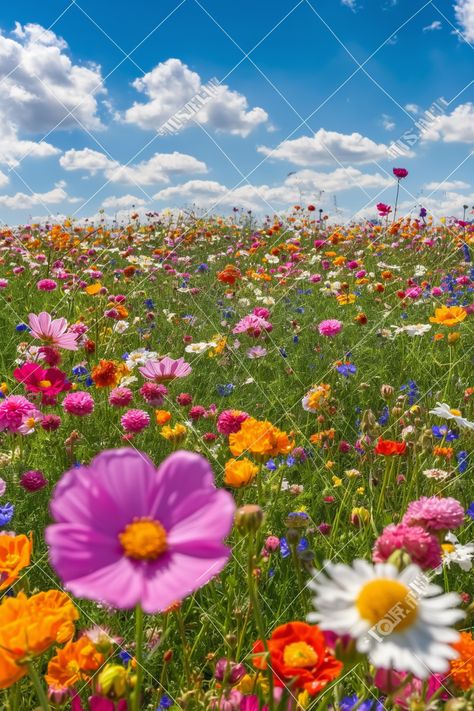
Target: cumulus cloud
{"type": "Point", "coordinates": [464, 11]}
{"type": "Point", "coordinates": [435, 25]}
{"type": "Point", "coordinates": [123, 202]}
{"type": "Point", "coordinates": [327, 147]}
{"type": "Point", "coordinates": [171, 84]}
{"type": "Point", "coordinates": [305, 184]}
{"type": "Point", "coordinates": [157, 169]}
{"type": "Point", "coordinates": [447, 185]}
{"type": "Point", "coordinates": [24, 201]}
{"type": "Point", "coordinates": [41, 84]}
{"type": "Point", "coordinates": [458, 126]}
{"type": "Point", "coordinates": [13, 149]}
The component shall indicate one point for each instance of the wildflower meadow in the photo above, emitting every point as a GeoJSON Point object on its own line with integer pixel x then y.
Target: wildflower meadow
{"type": "Point", "coordinates": [236, 463]}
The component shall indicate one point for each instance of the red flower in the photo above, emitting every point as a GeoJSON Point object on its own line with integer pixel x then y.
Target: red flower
{"type": "Point", "coordinates": [400, 173]}
{"type": "Point", "coordinates": [49, 382]}
{"type": "Point", "coordinates": [389, 448]}
{"type": "Point", "coordinates": [299, 657]}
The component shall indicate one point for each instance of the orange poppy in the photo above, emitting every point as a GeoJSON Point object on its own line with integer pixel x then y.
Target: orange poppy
{"type": "Point", "coordinates": [239, 472]}
{"type": "Point", "coordinates": [299, 658]}
{"type": "Point", "coordinates": [260, 438]}
{"type": "Point", "coordinates": [389, 448]}
{"type": "Point", "coordinates": [449, 315]}
{"type": "Point", "coordinates": [462, 668]}
{"type": "Point", "coordinates": [229, 275]}
{"type": "Point", "coordinates": [72, 663]}
{"type": "Point", "coordinates": [15, 554]}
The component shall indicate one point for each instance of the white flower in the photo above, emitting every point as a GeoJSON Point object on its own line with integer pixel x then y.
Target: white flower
{"type": "Point", "coordinates": [455, 552]}
{"type": "Point", "coordinates": [438, 474]}
{"type": "Point", "coordinates": [398, 618]}
{"type": "Point", "coordinates": [447, 413]}
{"type": "Point", "coordinates": [199, 348]}
{"type": "Point", "coordinates": [128, 380]}
{"type": "Point", "coordinates": [139, 357]}
{"type": "Point", "coordinates": [121, 326]}
{"type": "Point", "coordinates": [417, 329]}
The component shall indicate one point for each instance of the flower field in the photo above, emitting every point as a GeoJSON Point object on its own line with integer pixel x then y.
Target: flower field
{"type": "Point", "coordinates": [236, 464]}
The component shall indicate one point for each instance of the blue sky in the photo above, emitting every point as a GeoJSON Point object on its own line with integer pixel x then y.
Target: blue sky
{"type": "Point", "coordinates": [311, 95]}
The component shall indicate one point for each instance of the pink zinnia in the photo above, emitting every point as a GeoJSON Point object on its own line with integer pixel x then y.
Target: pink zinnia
{"type": "Point", "coordinates": [230, 421]}
{"type": "Point", "coordinates": [400, 173]}
{"type": "Point", "coordinates": [53, 332]}
{"type": "Point", "coordinates": [434, 513]}
{"type": "Point", "coordinates": [154, 393]}
{"type": "Point", "coordinates": [330, 327]}
{"type": "Point", "coordinates": [120, 397]}
{"type": "Point", "coordinates": [423, 548]}
{"type": "Point", "coordinates": [46, 285]}
{"type": "Point", "coordinates": [15, 414]}
{"type": "Point", "coordinates": [159, 536]}
{"type": "Point", "coordinates": [165, 369]}
{"type": "Point", "coordinates": [135, 420]}
{"type": "Point", "coordinates": [78, 403]}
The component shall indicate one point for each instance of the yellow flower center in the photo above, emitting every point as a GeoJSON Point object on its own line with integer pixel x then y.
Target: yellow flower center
{"type": "Point", "coordinates": [456, 413]}
{"type": "Point", "coordinates": [44, 383]}
{"type": "Point", "coordinates": [144, 539]}
{"type": "Point", "coordinates": [299, 654]}
{"type": "Point", "coordinates": [389, 604]}
{"type": "Point", "coordinates": [448, 548]}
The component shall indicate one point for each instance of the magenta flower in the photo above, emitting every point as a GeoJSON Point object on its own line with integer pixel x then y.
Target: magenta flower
{"type": "Point", "coordinates": [53, 332]}
{"type": "Point", "coordinates": [46, 285]}
{"type": "Point", "coordinates": [434, 513]}
{"type": "Point", "coordinates": [49, 382]}
{"type": "Point", "coordinates": [78, 403]}
{"type": "Point", "coordinates": [33, 480]}
{"type": "Point", "coordinates": [120, 397]}
{"type": "Point", "coordinates": [135, 420]}
{"type": "Point", "coordinates": [330, 327]}
{"type": "Point", "coordinates": [128, 533]}
{"type": "Point", "coordinates": [165, 369]}
{"type": "Point", "coordinates": [383, 209]}
{"type": "Point", "coordinates": [400, 173]}
{"type": "Point", "coordinates": [252, 325]}
{"type": "Point", "coordinates": [17, 414]}
{"type": "Point", "coordinates": [153, 393]}
{"type": "Point", "coordinates": [230, 421]}
{"type": "Point", "coordinates": [423, 548]}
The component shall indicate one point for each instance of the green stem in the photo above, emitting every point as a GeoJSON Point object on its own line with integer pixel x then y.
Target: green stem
{"type": "Point", "coordinates": [135, 705]}
{"type": "Point", "coordinates": [39, 688]}
{"type": "Point", "coordinates": [182, 632]}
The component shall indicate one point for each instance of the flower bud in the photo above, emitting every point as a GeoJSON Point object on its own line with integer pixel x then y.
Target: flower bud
{"type": "Point", "coordinates": [248, 518]}
{"type": "Point", "coordinates": [387, 391]}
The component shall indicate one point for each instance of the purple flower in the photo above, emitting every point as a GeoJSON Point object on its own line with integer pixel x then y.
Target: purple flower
{"type": "Point", "coordinates": [127, 533]}
{"type": "Point", "coordinates": [33, 480]}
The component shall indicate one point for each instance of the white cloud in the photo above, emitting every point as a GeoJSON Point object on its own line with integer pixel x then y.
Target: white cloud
{"type": "Point", "coordinates": [13, 149]}
{"type": "Point", "coordinates": [304, 184]}
{"type": "Point", "coordinates": [326, 148]}
{"type": "Point", "coordinates": [413, 108]}
{"type": "Point", "coordinates": [349, 3]}
{"type": "Point", "coordinates": [457, 126]}
{"type": "Point", "coordinates": [171, 84]}
{"type": "Point", "coordinates": [435, 25]}
{"type": "Point", "coordinates": [387, 122]}
{"type": "Point", "coordinates": [23, 201]}
{"type": "Point", "coordinates": [447, 185]}
{"type": "Point", "coordinates": [123, 201]}
{"type": "Point", "coordinates": [41, 84]}
{"type": "Point", "coordinates": [464, 11]}
{"type": "Point", "coordinates": [158, 169]}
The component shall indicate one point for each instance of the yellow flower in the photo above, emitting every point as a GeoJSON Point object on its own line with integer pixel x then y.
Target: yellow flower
{"type": "Point", "coordinates": [344, 299]}
{"type": "Point", "coordinates": [239, 472]}
{"type": "Point", "coordinates": [174, 434]}
{"type": "Point", "coordinates": [449, 315]}
{"type": "Point", "coordinates": [336, 481]}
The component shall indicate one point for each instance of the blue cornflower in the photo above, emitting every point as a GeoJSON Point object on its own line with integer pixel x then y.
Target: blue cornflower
{"type": "Point", "coordinates": [463, 461]}
{"type": "Point", "coordinates": [165, 702]}
{"type": "Point", "coordinates": [150, 304]}
{"type": "Point", "coordinates": [348, 703]}
{"type": "Point", "coordinates": [202, 268]}
{"type": "Point", "coordinates": [443, 431]}
{"type": "Point", "coordinates": [346, 369]}
{"type": "Point", "coordinates": [466, 253]}
{"type": "Point", "coordinates": [6, 514]}
{"type": "Point", "coordinates": [295, 339]}
{"type": "Point", "coordinates": [79, 370]}
{"type": "Point", "coordinates": [124, 656]}
{"type": "Point", "coordinates": [290, 461]}
{"type": "Point", "coordinates": [21, 327]}
{"type": "Point", "coordinates": [283, 353]}
{"type": "Point", "coordinates": [271, 465]}
{"type": "Point", "coordinates": [285, 548]}
{"type": "Point", "coordinates": [470, 511]}
{"type": "Point", "coordinates": [224, 390]}
{"type": "Point", "coordinates": [383, 419]}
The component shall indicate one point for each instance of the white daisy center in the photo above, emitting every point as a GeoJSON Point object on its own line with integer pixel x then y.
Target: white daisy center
{"type": "Point", "coordinates": [387, 603]}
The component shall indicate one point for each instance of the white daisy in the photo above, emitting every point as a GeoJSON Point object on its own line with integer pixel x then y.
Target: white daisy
{"type": "Point", "coordinates": [201, 347]}
{"type": "Point", "coordinates": [447, 413]}
{"type": "Point", "coordinates": [398, 619]}
{"type": "Point", "coordinates": [455, 552]}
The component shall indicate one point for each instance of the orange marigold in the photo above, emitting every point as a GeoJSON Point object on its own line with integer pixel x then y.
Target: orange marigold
{"type": "Point", "coordinates": [15, 554]}
{"type": "Point", "coordinates": [106, 374]}
{"type": "Point", "coordinates": [462, 668]}
{"type": "Point", "coordinates": [29, 626]}
{"type": "Point", "coordinates": [239, 472]}
{"type": "Point", "coordinates": [73, 663]}
{"type": "Point", "coordinates": [260, 438]}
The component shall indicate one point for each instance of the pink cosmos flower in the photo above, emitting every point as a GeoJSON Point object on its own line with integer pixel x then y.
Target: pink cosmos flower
{"type": "Point", "coordinates": [230, 421]}
{"type": "Point", "coordinates": [434, 513]}
{"type": "Point", "coordinates": [383, 209]}
{"type": "Point", "coordinates": [127, 533]}
{"type": "Point", "coordinates": [49, 382]}
{"type": "Point", "coordinates": [53, 332]}
{"type": "Point", "coordinates": [330, 327]}
{"type": "Point", "coordinates": [135, 420]}
{"type": "Point", "coordinates": [165, 369]}
{"type": "Point", "coordinates": [17, 414]}
{"type": "Point", "coordinates": [423, 548]}
{"type": "Point", "coordinates": [252, 325]}
{"type": "Point", "coordinates": [78, 403]}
